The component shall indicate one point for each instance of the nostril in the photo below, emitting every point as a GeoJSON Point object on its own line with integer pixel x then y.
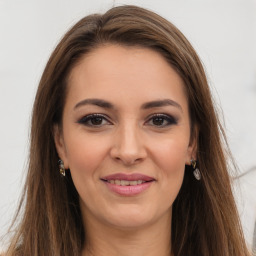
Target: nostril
{"type": "Point", "coordinates": [128, 153]}
{"type": "Point", "coordinates": [128, 160]}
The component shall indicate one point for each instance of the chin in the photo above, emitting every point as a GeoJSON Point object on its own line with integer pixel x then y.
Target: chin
{"type": "Point", "coordinates": [132, 217]}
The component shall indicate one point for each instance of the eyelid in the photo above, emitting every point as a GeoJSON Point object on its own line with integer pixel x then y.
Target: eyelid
{"type": "Point", "coordinates": [86, 118]}
{"type": "Point", "coordinates": [171, 119]}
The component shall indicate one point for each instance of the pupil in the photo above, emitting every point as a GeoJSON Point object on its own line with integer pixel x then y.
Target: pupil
{"type": "Point", "coordinates": [158, 121]}
{"type": "Point", "coordinates": [96, 120]}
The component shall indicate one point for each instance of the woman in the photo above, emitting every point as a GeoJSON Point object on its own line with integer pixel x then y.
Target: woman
{"type": "Point", "coordinates": [127, 153]}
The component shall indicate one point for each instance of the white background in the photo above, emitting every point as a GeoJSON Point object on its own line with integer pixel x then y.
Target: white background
{"type": "Point", "coordinates": [222, 31]}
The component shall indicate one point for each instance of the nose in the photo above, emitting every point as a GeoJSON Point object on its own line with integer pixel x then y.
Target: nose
{"type": "Point", "coordinates": [128, 146]}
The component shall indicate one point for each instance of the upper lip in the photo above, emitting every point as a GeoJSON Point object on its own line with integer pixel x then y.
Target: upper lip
{"type": "Point", "coordinates": [129, 177]}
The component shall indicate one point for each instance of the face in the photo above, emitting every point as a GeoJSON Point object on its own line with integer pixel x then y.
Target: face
{"type": "Point", "coordinates": [125, 135]}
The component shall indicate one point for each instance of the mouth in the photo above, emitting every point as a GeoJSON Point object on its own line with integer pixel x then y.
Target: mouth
{"type": "Point", "coordinates": [128, 184]}
{"type": "Point", "coordinates": [123, 179]}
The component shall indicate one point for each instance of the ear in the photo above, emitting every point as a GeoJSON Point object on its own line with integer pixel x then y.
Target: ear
{"type": "Point", "coordinates": [60, 145]}
{"type": "Point", "coordinates": [192, 147]}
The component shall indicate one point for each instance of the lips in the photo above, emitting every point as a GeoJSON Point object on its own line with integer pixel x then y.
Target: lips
{"type": "Point", "coordinates": [128, 177]}
{"type": "Point", "coordinates": [128, 184]}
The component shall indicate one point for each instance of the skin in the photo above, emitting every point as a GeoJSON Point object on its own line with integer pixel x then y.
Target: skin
{"type": "Point", "coordinates": [127, 139]}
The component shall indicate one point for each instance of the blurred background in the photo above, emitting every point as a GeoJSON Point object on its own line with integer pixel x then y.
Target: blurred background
{"type": "Point", "coordinates": [223, 32]}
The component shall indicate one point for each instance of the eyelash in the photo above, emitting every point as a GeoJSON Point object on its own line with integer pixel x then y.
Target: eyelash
{"type": "Point", "coordinates": [87, 120]}
{"type": "Point", "coordinates": [165, 118]}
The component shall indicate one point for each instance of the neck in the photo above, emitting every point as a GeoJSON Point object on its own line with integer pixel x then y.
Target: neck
{"type": "Point", "coordinates": [150, 240]}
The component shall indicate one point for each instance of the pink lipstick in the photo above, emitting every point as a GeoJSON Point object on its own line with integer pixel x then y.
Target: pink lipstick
{"type": "Point", "coordinates": [128, 184]}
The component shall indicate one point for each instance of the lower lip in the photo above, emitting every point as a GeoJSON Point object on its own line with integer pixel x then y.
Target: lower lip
{"type": "Point", "coordinates": [129, 190]}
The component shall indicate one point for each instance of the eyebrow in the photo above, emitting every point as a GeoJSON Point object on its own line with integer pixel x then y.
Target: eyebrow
{"type": "Point", "coordinates": [151, 104]}
{"type": "Point", "coordinates": [96, 102]}
{"type": "Point", "coordinates": [161, 103]}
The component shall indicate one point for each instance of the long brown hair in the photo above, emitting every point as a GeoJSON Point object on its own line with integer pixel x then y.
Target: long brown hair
{"type": "Point", "coordinates": [205, 220]}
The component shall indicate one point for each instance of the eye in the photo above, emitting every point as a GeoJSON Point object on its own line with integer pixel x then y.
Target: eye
{"type": "Point", "coordinates": [96, 120]}
{"type": "Point", "coordinates": [161, 120]}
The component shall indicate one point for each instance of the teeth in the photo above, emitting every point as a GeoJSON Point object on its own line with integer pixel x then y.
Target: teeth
{"type": "Point", "coordinates": [126, 182]}
{"type": "Point", "coordinates": [118, 182]}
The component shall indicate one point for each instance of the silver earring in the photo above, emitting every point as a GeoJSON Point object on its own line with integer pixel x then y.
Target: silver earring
{"type": "Point", "coordinates": [62, 168]}
{"type": "Point", "coordinates": [196, 171]}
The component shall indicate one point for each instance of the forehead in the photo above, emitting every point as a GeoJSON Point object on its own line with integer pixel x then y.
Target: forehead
{"type": "Point", "coordinates": [118, 72]}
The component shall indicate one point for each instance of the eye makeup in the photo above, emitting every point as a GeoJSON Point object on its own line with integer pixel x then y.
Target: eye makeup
{"type": "Point", "coordinates": [94, 120]}
{"type": "Point", "coordinates": [159, 120]}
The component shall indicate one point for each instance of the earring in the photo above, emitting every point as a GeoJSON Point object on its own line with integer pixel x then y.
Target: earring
{"type": "Point", "coordinates": [62, 168]}
{"type": "Point", "coordinates": [196, 171]}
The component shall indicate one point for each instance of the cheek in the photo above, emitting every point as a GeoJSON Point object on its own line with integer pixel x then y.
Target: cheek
{"type": "Point", "coordinates": [171, 155]}
{"type": "Point", "coordinates": [84, 154]}
{"type": "Point", "coordinates": [170, 159]}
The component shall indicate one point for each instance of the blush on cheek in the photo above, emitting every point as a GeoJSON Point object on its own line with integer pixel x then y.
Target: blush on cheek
{"type": "Point", "coordinates": [171, 156]}
{"type": "Point", "coordinates": [85, 155]}
{"type": "Point", "coordinates": [81, 162]}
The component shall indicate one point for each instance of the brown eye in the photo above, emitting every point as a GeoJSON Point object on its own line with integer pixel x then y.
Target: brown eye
{"type": "Point", "coordinates": [158, 121]}
{"type": "Point", "coordinates": [162, 120]}
{"type": "Point", "coordinates": [94, 120]}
